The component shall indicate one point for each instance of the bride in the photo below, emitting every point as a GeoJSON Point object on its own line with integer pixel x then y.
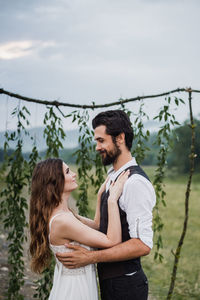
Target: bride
{"type": "Point", "coordinates": [53, 224]}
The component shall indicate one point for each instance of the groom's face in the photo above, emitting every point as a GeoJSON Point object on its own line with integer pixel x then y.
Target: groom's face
{"type": "Point", "coordinates": [108, 149]}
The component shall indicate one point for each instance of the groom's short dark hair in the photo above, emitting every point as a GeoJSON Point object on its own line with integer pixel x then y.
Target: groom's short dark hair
{"type": "Point", "coordinates": [116, 122]}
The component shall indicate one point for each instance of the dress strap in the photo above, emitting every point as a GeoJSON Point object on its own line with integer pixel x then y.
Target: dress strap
{"type": "Point", "coordinates": [51, 220]}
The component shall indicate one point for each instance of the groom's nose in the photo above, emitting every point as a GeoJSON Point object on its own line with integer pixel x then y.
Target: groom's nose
{"type": "Point", "coordinates": [98, 147]}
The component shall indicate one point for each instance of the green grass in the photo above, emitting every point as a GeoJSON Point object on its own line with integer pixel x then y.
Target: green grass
{"type": "Point", "coordinates": [188, 274]}
{"type": "Point", "coordinates": [187, 285]}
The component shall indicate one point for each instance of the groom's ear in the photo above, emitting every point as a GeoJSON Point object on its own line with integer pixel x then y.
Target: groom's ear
{"type": "Point", "coordinates": [120, 139]}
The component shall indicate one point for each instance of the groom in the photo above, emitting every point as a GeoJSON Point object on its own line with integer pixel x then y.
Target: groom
{"type": "Point", "coordinates": [119, 268]}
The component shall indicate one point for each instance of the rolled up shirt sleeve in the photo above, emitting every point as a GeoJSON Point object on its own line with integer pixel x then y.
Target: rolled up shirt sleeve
{"type": "Point", "coordinates": [137, 200]}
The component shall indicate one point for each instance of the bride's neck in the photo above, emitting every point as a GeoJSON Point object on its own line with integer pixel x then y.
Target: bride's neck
{"type": "Point", "coordinates": [64, 202]}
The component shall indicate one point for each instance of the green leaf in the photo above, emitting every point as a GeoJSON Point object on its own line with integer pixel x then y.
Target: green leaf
{"type": "Point", "coordinates": [176, 101]}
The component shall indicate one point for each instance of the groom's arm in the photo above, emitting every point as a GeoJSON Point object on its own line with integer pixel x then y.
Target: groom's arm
{"type": "Point", "coordinates": [132, 248]}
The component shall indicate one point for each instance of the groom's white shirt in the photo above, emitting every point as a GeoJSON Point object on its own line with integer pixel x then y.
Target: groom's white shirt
{"type": "Point", "coordinates": [137, 200]}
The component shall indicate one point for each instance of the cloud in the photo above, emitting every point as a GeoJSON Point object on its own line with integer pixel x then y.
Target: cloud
{"type": "Point", "coordinates": [17, 49]}
{"type": "Point", "coordinates": [13, 50]}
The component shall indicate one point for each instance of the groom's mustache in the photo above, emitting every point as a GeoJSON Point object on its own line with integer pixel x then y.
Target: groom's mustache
{"type": "Point", "coordinates": [102, 151]}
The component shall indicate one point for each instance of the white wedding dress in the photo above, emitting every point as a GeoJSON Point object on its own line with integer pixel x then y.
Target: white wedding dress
{"type": "Point", "coordinates": [72, 284]}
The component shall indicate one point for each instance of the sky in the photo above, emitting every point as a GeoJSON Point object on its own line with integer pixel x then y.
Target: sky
{"type": "Point", "coordinates": [89, 50]}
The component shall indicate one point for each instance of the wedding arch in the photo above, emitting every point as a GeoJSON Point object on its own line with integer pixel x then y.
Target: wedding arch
{"type": "Point", "coordinates": [17, 170]}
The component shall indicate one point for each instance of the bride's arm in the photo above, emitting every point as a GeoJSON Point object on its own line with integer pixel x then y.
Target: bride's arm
{"type": "Point", "coordinates": [89, 222]}
{"type": "Point", "coordinates": [94, 223]}
{"type": "Point", "coordinates": [71, 228]}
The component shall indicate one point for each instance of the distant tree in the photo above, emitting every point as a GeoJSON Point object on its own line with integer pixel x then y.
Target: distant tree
{"type": "Point", "coordinates": [150, 158]}
{"type": "Point", "coordinates": [68, 155]}
{"type": "Point", "coordinates": [179, 156]}
{"type": "Point", "coordinates": [9, 152]}
{"type": "Point", "coordinates": [1, 154]}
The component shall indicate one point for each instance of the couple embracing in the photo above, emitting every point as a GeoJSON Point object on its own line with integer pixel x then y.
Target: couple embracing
{"type": "Point", "coordinates": [120, 233]}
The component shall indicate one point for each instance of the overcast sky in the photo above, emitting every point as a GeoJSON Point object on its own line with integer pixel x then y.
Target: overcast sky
{"type": "Point", "coordinates": [97, 50]}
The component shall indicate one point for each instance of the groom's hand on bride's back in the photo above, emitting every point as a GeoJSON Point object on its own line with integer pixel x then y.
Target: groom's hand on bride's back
{"type": "Point", "coordinates": [80, 257]}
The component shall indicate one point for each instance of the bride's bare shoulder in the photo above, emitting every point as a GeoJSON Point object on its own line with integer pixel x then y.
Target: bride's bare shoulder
{"type": "Point", "coordinates": [63, 219]}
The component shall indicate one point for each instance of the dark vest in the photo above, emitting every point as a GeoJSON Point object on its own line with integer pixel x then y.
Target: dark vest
{"type": "Point", "coordinates": [115, 269]}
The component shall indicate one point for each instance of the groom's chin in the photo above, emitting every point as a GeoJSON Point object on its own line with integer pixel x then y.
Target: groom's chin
{"type": "Point", "coordinates": [106, 162]}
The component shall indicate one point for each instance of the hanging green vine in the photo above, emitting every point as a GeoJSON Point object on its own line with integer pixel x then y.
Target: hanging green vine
{"type": "Point", "coordinates": [84, 159]}
{"type": "Point", "coordinates": [100, 172]}
{"type": "Point", "coordinates": [53, 133]}
{"type": "Point", "coordinates": [192, 157]}
{"type": "Point", "coordinates": [14, 205]}
{"type": "Point", "coordinates": [164, 141]}
{"type": "Point", "coordinates": [141, 135]}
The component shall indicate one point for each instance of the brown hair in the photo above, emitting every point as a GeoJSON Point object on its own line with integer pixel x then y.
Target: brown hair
{"type": "Point", "coordinates": [46, 190]}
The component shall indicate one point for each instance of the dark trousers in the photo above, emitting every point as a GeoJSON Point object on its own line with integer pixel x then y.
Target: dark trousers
{"type": "Point", "coordinates": [134, 287]}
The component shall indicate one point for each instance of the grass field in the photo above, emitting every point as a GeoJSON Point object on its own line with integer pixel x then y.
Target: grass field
{"type": "Point", "coordinates": [188, 276]}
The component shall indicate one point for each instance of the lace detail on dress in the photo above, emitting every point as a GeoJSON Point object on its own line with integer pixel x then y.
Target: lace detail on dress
{"type": "Point", "coordinates": [66, 271]}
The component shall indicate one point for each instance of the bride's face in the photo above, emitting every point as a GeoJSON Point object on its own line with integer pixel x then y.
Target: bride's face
{"type": "Point", "coordinates": [70, 179]}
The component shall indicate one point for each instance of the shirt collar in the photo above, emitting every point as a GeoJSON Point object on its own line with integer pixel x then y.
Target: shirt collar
{"type": "Point", "coordinates": [113, 174]}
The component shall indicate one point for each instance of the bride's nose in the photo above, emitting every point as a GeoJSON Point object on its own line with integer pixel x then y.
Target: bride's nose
{"type": "Point", "coordinates": [74, 175]}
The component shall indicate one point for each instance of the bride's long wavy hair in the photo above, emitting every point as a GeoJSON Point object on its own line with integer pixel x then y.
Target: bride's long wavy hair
{"type": "Point", "coordinates": [46, 190]}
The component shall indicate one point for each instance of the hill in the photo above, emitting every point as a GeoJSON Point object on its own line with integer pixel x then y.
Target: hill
{"type": "Point", "coordinates": [71, 140]}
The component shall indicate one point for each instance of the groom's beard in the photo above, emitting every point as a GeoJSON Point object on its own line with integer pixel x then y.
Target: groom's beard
{"type": "Point", "coordinates": [109, 157]}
